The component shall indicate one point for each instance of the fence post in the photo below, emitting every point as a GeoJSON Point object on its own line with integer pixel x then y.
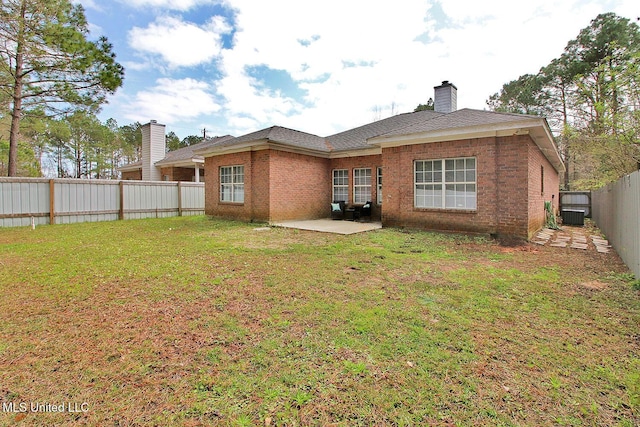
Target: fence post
{"type": "Point", "coordinates": [121, 213]}
{"type": "Point", "coordinates": [179, 198]}
{"type": "Point", "coordinates": [52, 202]}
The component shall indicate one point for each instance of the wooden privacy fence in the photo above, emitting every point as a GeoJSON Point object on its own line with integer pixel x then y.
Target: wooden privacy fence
{"type": "Point", "coordinates": [26, 201]}
{"type": "Point", "coordinates": [616, 211]}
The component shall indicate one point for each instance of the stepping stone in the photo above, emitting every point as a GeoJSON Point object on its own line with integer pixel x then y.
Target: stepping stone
{"type": "Point", "coordinates": [602, 249]}
{"type": "Point", "coordinates": [579, 246]}
{"type": "Point", "coordinates": [540, 242]}
{"type": "Point", "coordinates": [579, 240]}
{"type": "Point", "coordinates": [600, 242]}
{"type": "Point", "coordinates": [559, 244]}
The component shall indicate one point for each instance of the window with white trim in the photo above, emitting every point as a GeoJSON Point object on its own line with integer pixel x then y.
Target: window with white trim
{"type": "Point", "coordinates": [361, 185]}
{"type": "Point", "coordinates": [379, 181]}
{"type": "Point", "coordinates": [341, 185]}
{"type": "Point", "coordinates": [232, 184]}
{"type": "Point", "coordinates": [445, 183]}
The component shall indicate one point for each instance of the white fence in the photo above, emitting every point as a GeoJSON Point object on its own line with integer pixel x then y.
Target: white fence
{"type": "Point", "coordinates": [616, 210]}
{"type": "Point", "coordinates": [62, 201]}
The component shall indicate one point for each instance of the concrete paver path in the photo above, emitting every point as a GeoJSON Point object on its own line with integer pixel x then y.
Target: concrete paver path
{"type": "Point", "coordinates": [571, 237]}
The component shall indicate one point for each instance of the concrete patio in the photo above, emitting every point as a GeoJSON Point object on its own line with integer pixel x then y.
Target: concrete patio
{"type": "Point", "coordinates": [330, 226]}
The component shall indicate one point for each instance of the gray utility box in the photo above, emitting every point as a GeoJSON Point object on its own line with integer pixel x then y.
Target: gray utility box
{"type": "Point", "coordinates": [572, 217]}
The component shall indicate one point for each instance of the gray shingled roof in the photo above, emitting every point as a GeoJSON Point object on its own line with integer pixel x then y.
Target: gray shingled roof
{"type": "Point", "coordinates": [463, 118]}
{"type": "Point", "coordinates": [278, 134]}
{"type": "Point", "coordinates": [187, 153]}
{"type": "Point", "coordinates": [357, 138]}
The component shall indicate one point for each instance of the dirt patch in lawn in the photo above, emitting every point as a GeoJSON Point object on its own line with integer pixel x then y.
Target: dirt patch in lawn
{"type": "Point", "coordinates": [220, 324]}
{"type": "Point", "coordinates": [594, 285]}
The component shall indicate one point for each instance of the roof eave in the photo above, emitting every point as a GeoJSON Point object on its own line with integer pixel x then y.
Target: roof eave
{"type": "Point", "coordinates": [538, 129]}
{"type": "Point", "coordinates": [262, 144]}
{"type": "Point", "coordinates": [129, 168]}
{"type": "Point", "coordinates": [218, 150]}
{"type": "Point", "coordinates": [356, 152]}
{"type": "Point", "coordinates": [182, 163]}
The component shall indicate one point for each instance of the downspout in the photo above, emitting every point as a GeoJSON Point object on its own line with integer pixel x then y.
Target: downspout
{"type": "Point", "coordinates": [497, 195]}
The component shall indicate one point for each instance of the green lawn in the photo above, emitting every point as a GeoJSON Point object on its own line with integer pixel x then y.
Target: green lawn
{"type": "Point", "coordinates": [194, 321]}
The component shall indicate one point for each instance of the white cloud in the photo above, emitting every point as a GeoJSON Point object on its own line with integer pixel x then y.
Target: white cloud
{"type": "Point", "coordinates": [348, 58]}
{"type": "Point", "coordinates": [180, 5]}
{"type": "Point", "coordinates": [353, 56]}
{"type": "Point", "coordinates": [180, 43]}
{"type": "Point", "coordinates": [172, 100]}
{"type": "Point", "coordinates": [89, 4]}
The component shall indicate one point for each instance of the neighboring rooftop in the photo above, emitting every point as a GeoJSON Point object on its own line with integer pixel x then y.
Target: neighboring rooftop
{"type": "Point", "coordinates": [187, 153]}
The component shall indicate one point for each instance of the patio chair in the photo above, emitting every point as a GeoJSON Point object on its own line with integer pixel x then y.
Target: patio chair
{"type": "Point", "coordinates": [365, 210]}
{"type": "Point", "coordinates": [337, 209]}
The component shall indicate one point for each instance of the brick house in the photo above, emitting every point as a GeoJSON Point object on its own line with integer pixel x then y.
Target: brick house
{"type": "Point", "coordinates": [448, 169]}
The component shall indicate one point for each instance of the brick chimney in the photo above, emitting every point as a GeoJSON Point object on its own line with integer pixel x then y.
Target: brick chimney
{"type": "Point", "coordinates": [446, 97]}
{"type": "Point", "coordinates": [153, 150]}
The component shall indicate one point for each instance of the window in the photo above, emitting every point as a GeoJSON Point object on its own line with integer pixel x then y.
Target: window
{"type": "Point", "coordinates": [341, 185]}
{"type": "Point", "coordinates": [542, 180]}
{"type": "Point", "coordinates": [445, 184]}
{"type": "Point", "coordinates": [361, 185]}
{"type": "Point", "coordinates": [379, 178]}
{"type": "Point", "coordinates": [232, 184]}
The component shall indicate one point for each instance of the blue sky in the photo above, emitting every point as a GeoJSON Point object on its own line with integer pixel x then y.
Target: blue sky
{"type": "Point", "coordinates": [236, 66]}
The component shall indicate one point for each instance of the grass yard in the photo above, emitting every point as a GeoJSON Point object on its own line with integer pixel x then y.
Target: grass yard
{"type": "Point", "coordinates": [194, 321]}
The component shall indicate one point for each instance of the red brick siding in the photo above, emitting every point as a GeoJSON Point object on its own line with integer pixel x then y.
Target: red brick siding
{"type": "Point", "coordinates": [503, 186]}
{"type": "Point", "coordinates": [281, 185]}
{"type": "Point", "coordinates": [180, 174]}
{"type": "Point", "coordinates": [512, 185]}
{"type": "Point", "coordinates": [398, 187]}
{"type": "Point", "coordinates": [259, 186]}
{"type": "Point", "coordinates": [350, 163]}
{"type": "Point", "coordinates": [537, 215]}
{"type": "Point", "coordinates": [300, 186]}
{"type": "Point", "coordinates": [212, 204]}
{"type": "Point", "coordinates": [132, 175]}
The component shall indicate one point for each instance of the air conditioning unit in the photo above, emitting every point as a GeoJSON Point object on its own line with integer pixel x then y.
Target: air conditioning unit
{"type": "Point", "coordinates": [572, 217]}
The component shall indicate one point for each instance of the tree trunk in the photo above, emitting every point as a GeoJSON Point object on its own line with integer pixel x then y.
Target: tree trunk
{"type": "Point", "coordinates": [565, 140]}
{"type": "Point", "coordinates": [16, 112]}
{"type": "Point", "coordinates": [15, 130]}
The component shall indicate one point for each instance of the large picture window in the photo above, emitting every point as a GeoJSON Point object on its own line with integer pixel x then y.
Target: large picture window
{"type": "Point", "coordinates": [341, 185]}
{"type": "Point", "coordinates": [232, 184]}
{"type": "Point", "coordinates": [361, 185]}
{"type": "Point", "coordinates": [445, 183]}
